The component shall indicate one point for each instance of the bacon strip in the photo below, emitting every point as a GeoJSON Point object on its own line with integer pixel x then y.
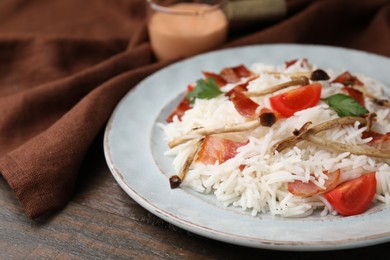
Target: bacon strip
{"type": "Point", "coordinates": [217, 149]}
{"type": "Point", "coordinates": [347, 79]}
{"type": "Point", "coordinates": [355, 94]}
{"type": "Point", "coordinates": [230, 75]}
{"type": "Point", "coordinates": [243, 104]}
{"type": "Point", "coordinates": [242, 71]}
{"type": "Point", "coordinates": [292, 62]}
{"type": "Point", "coordinates": [380, 141]}
{"type": "Point", "coordinates": [308, 189]}
{"type": "Point", "coordinates": [220, 81]}
{"type": "Point", "coordinates": [183, 106]}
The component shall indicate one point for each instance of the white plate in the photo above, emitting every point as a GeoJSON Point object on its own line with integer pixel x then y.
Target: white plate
{"type": "Point", "coordinates": [134, 150]}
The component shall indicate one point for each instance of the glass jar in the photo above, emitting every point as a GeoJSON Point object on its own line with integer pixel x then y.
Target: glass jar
{"type": "Point", "coordinates": [185, 28]}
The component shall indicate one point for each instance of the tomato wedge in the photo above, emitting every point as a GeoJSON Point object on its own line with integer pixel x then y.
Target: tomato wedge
{"type": "Point", "coordinates": [297, 99]}
{"type": "Point", "coordinates": [307, 189]}
{"type": "Point", "coordinates": [353, 197]}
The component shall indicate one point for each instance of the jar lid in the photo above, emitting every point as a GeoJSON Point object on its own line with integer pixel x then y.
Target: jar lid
{"type": "Point", "coordinates": [245, 10]}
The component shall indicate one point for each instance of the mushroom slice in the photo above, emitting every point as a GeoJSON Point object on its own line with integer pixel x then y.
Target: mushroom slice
{"type": "Point", "coordinates": [297, 137]}
{"type": "Point", "coordinates": [354, 149]}
{"type": "Point", "coordinates": [203, 131]}
{"type": "Point", "coordinates": [369, 119]}
{"type": "Point", "coordinates": [291, 140]}
{"type": "Point", "coordinates": [294, 82]}
{"type": "Point", "coordinates": [176, 180]}
{"type": "Point", "coordinates": [308, 134]}
{"type": "Point", "coordinates": [292, 75]}
{"type": "Point", "coordinates": [382, 102]}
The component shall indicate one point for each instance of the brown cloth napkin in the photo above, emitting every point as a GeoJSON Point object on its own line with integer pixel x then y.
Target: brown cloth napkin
{"type": "Point", "coordinates": [64, 65]}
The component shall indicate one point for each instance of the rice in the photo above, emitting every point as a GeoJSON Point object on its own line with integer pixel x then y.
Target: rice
{"type": "Point", "coordinates": [261, 187]}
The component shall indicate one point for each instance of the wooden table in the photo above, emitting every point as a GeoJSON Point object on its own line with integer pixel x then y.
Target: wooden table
{"type": "Point", "coordinates": [103, 222]}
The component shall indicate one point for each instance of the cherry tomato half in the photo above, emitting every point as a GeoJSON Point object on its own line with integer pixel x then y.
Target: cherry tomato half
{"type": "Point", "coordinates": [297, 99]}
{"type": "Point", "coordinates": [353, 197]}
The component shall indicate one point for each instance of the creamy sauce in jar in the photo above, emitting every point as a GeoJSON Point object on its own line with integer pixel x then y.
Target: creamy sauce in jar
{"type": "Point", "coordinates": [181, 35]}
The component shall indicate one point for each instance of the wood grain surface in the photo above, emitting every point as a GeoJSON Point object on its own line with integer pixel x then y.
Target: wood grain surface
{"type": "Point", "coordinates": [103, 222]}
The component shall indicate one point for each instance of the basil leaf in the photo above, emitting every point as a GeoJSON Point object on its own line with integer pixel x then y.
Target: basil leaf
{"type": "Point", "coordinates": [345, 105]}
{"type": "Point", "coordinates": [204, 90]}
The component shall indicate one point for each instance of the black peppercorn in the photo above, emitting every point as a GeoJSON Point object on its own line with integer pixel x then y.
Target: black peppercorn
{"type": "Point", "coordinates": [319, 75]}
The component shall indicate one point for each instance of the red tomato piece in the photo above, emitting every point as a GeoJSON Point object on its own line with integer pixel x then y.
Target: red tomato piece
{"type": "Point", "coordinates": [347, 79]}
{"type": "Point", "coordinates": [307, 189]}
{"type": "Point", "coordinates": [353, 197]}
{"type": "Point", "coordinates": [243, 104]}
{"type": "Point", "coordinates": [355, 94]}
{"type": "Point", "coordinates": [297, 99]}
{"type": "Point", "coordinates": [190, 87]}
{"type": "Point", "coordinates": [217, 149]}
{"type": "Point", "coordinates": [183, 106]}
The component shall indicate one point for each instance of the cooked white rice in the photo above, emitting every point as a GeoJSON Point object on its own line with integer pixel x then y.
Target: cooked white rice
{"type": "Point", "coordinates": [262, 186]}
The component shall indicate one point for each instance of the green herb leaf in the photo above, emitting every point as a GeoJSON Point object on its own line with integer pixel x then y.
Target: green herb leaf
{"type": "Point", "coordinates": [204, 90]}
{"type": "Point", "coordinates": [345, 105]}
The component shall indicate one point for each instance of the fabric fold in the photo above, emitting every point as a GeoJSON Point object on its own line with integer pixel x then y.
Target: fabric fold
{"type": "Point", "coordinates": [43, 170]}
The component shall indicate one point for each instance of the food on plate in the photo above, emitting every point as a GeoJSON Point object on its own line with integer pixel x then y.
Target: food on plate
{"type": "Point", "coordinates": [288, 139]}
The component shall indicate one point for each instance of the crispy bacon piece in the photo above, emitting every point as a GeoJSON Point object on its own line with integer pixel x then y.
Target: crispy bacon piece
{"type": "Point", "coordinates": [307, 189]}
{"type": "Point", "coordinates": [355, 94]}
{"type": "Point", "coordinates": [249, 109]}
{"type": "Point", "coordinates": [234, 74]}
{"type": "Point", "coordinates": [217, 149]}
{"type": "Point", "coordinates": [347, 79]}
{"type": "Point", "coordinates": [183, 106]}
{"type": "Point", "coordinates": [217, 78]}
{"type": "Point", "coordinates": [242, 71]}
{"type": "Point", "coordinates": [243, 86]}
{"type": "Point", "coordinates": [243, 104]}
{"type": "Point", "coordinates": [292, 62]}
{"type": "Point", "coordinates": [230, 75]}
{"type": "Point", "coordinates": [227, 75]}
{"type": "Point", "coordinates": [380, 141]}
